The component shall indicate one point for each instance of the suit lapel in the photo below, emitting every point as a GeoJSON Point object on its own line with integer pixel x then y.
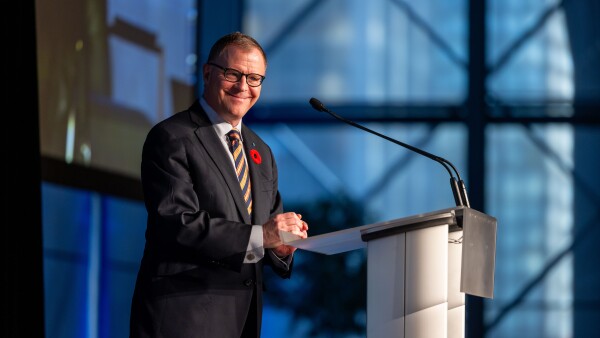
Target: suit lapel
{"type": "Point", "coordinates": [259, 202]}
{"type": "Point", "coordinates": [213, 146]}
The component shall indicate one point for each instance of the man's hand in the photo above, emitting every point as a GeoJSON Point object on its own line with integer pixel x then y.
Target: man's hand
{"type": "Point", "coordinates": [288, 222]}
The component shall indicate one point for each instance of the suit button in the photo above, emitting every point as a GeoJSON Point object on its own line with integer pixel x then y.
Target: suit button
{"type": "Point", "coordinates": [248, 282]}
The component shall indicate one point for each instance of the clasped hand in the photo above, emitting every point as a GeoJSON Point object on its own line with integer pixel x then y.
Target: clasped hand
{"type": "Point", "coordinates": [288, 222]}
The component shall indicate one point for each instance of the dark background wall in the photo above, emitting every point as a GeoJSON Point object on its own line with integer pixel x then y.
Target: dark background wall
{"type": "Point", "coordinates": [22, 272]}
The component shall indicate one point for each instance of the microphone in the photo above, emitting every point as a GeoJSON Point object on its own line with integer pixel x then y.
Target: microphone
{"type": "Point", "coordinates": [459, 190]}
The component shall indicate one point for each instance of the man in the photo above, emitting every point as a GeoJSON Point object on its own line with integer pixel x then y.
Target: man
{"type": "Point", "coordinates": [214, 210]}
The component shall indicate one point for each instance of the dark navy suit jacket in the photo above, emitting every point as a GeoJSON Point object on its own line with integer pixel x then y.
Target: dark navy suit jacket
{"type": "Point", "coordinates": [192, 280]}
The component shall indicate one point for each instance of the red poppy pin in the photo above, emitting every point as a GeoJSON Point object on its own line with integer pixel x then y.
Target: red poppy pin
{"type": "Point", "coordinates": [255, 156]}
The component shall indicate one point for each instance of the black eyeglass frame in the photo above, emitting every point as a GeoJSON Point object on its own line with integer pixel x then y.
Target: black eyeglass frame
{"type": "Point", "coordinates": [238, 74]}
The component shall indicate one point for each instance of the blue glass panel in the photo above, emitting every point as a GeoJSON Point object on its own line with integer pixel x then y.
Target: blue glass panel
{"type": "Point", "coordinates": [540, 68]}
{"type": "Point", "coordinates": [358, 52]}
{"type": "Point", "coordinates": [66, 226]}
{"type": "Point", "coordinates": [530, 191]}
{"type": "Point", "coordinates": [124, 224]}
{"type": "Point", "coordinates": [92, 249]}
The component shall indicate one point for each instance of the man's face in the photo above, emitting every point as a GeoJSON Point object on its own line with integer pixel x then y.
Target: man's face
{"type": "Point", "coordinates": [232, 100]}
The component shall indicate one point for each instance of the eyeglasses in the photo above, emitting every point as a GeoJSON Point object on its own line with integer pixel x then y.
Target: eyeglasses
{"type": "Point", "coordinates": [234, 75]}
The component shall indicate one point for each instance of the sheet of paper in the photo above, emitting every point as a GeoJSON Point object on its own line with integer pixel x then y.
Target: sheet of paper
{"type": "Point", "coordinates": [287, 237]}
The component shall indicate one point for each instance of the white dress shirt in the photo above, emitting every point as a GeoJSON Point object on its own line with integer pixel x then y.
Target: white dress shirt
{"type": "Point", "coordinates": [255, 250]}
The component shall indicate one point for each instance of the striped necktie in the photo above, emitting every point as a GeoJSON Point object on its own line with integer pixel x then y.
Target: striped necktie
{"type": "Point", "coordinates": [241, 168]}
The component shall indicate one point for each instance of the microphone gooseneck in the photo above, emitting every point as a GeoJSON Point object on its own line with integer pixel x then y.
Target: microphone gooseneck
{"type": "Point", "coordinates": [458, 186]}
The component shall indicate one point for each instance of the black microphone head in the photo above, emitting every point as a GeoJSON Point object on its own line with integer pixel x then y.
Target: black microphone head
{"type": "Point", "coordinates": [317, 105]}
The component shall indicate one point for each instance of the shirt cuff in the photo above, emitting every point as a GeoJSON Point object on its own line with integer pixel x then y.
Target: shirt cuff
{"type": "Point", "coordinates": [255, 251]}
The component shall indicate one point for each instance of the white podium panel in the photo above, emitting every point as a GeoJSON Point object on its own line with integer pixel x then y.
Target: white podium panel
{"type": "Point", "coordinates": [427, 323]}
{"type": "Point", "coordinates": [456, 322]}
{"type": "Point", "coordinates": [385, 287]}
{"type": "Point", "coordinates": [407, 277]}
{"type": "Point", "coordinates": [456, 298]}
{"type": "Point", "coordinates": [393, 328]}
{"type": "Point", "coordinates": [426, 268]}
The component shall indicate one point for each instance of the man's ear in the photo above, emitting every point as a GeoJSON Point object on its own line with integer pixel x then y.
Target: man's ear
{"type": "Point", "coordinates": [205, 72]}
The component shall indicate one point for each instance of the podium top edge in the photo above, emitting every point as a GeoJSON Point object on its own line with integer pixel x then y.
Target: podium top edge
{"type": "Point", "coordinates": [355, 238]}
{"type": "Point", "coordinates": [411, 223]}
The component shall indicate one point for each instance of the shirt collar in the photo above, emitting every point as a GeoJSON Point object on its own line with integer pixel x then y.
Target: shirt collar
{"type": "Point", "coordinates": [221, 126]}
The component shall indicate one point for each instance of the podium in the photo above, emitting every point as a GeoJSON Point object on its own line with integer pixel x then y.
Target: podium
{"type": "Point", "coordinates": [419, 269]}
